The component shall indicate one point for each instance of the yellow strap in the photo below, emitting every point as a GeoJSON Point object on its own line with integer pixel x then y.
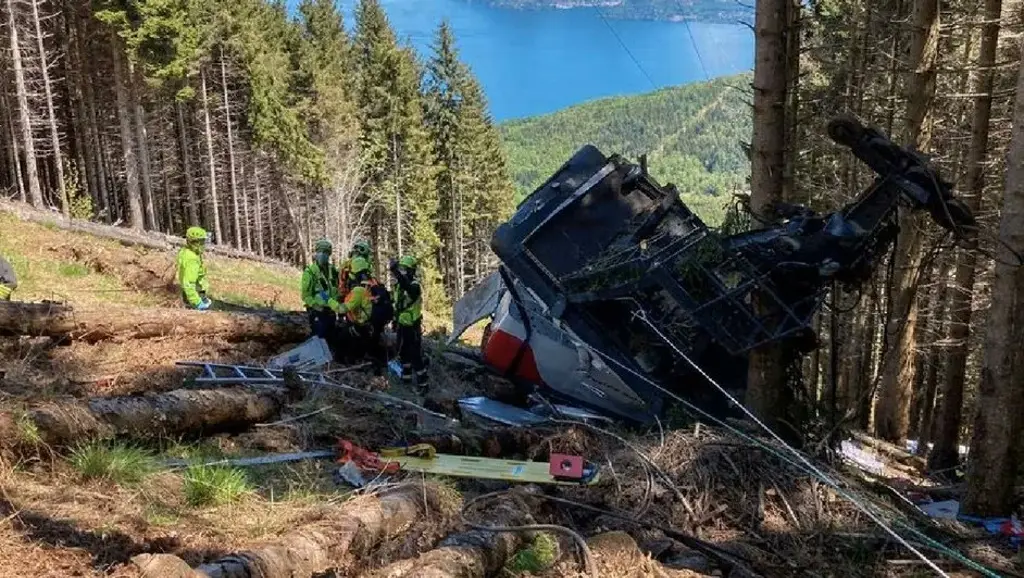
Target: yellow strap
{"type": "Point", "coordinates": [418, 450]}
{"type": "Point", "coordinates": [488, 468]}
{"type": "Point", "coordinates": [5, 291]}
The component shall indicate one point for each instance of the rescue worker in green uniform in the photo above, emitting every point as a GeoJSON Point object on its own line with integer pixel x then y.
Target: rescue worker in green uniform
{"type": "Point", "coordinates": [408, 303]}
{"type": "Point", "coordinates": [360, 248]}
{"type": "Point", "coordinates": [319, 290]}
{"type": "Point", "coordinates": [360, 328]}
{"type": "Point", "coordinates": [192, 270]}
{"type": "Point", "coordinates": [8, 280]}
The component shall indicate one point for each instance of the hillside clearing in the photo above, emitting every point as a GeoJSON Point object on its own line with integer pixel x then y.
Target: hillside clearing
{"type": "Point", "coordinates": [93, 505]}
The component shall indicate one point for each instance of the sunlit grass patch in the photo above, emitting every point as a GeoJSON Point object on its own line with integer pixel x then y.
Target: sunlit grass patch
{"type": "Point", "coordinates": [214, 485]}
{"type": "Point", "coordinates": [116, 462]}
{"type": "Point", "coordinates": [537, 557]}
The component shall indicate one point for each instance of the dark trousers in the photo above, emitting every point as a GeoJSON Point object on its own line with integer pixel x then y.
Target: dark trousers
{"type": "Point", "coordinates": [323, 323]}
{"type": "Point", "coordinates": [359, 342]}
{"type": "Point", "coordinates": [410, 352]}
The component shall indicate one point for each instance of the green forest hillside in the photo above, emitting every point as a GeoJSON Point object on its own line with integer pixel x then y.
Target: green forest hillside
{"type": "Point", "coordinates": [692, 135]}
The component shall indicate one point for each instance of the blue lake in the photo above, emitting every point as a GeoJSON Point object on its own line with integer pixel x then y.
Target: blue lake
{"type": "Point", "coordinates": [534, 62]}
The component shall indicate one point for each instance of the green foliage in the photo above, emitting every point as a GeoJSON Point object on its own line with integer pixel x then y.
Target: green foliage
{"type": "Point", "coordinates": [72, 270]}
{"type": "Point", "coordinates": [80, 203]}
{"type": "Point", "coordinates": [214, 485]}
{"type": "Point", "coordinates": [540, 555]}
{"type": "Point", "coordinates": [116, 462]}
{"type": "Point", "coordinates": [691, 134]}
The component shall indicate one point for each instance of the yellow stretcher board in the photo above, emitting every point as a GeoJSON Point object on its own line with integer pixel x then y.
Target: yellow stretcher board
{"type": "Point", "coordinates": [489, 468]}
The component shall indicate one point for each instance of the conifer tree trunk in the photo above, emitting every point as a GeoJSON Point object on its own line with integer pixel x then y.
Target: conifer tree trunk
{"type": "Point", "coordinates": [950, 413]}
{"type": "Point", "coordinates": [51, 116]}
{"type": "Point", "coordinates": [186, 167]}
{"type": "Point", "coordinates": [231, 152]}
{"type": "Point", "coordinates": [28, 146]}
{"type": "Point", "coordinates": [893, 408]}
{"type": "Point", "coordinates": [145, 169]}
{"type": "Point", "coordinates": [212, 164]}
{"type": "Point", "coordinates": [992, 469]}
{"type": "Point", "coordinates": [14, 161]}
{"type": "Point", "coordinates": [766, 385]}
{"type": "Point", "coordinates": [131, 167]}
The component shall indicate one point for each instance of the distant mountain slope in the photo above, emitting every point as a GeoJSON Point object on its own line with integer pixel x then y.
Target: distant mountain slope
{"type": "Point", "coordinates": [691, 134]}
{"type": "Point", "coordinates": [725, 11]}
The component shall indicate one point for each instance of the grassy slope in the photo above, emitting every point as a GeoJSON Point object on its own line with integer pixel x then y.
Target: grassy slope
{"type": "Point", "coordinates": [47, 268]}
{"type": "Point", "coordinates": [691, 134]}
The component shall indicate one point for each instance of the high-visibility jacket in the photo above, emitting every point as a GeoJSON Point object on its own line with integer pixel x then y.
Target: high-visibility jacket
{"type": "Point", "coordinates": [316, 283]}
{"type": "Point", "coordinates": [408, 304]}
{"type": "Point", "coordinates": [357, 306]}
{"type": "Point", "coordinates": [191, 275]}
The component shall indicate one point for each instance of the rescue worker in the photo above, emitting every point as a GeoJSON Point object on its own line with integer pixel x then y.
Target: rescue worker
{"type": "Point", "coordinates": [408, 299]}
{"type": "Point", "coordinates": [320, 293]}
{"type": "Point", "coordinates": [360, 248]}
{"type": "Point", "coordinates": [192, 270]}
{"type": "Point", "coordinates": [360, 335]}
{"type": "Point", "coordinates": [8, 280]}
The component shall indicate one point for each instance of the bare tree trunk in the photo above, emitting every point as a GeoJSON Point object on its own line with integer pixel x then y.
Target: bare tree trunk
{"type": "Point", "coordinates": [766, 389]}
{"type": "Point", "coordinates": [13, 152]}
{"type": "Point", "coordinates": [945, 454]}
{"type": "Point", "coordinates": [28, 146]}
{"type": "Point", "coordinates": [131, 167]}
{"type": "Point", "coordinates": [145, 168]}
{"type": "Point", "coordinates": [259, 208]}
{"type": "Point", "coordinates": [82, 126]}
{"type": "Point", "coordinates": [994, 462]}
{"type": "Point", "coordinates": [186, 167]}
{"type": "Point", "coordinates": [245, 211]}
{"type": "Point", "coordinates": [893, 410]}
{"type": "Point", "coordinates": [96, 143]}
{"type": "Point", "coordinates": [58, 160]}
{"type": "Point", "coordinates": [231, 152]}
{"type": "Point", "coordinates": [209, 153]}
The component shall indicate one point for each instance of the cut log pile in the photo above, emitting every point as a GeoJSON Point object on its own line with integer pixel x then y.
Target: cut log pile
{"type": "Point", "coordinates": [315, 548]}
{"type": "Point", "coordinates": [182, 411]}
{"type": "Point", "coordinates": [471, 554]}
{"type": "Point", "coordinates": [93, 324]}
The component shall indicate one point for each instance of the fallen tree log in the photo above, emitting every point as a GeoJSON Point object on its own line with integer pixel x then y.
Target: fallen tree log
{"type": "Point", "coordinates": [150, 239]}
{"type": "Point", "coordinates": [181, 411]}
{"type": "Point", "coordinates": [319, 546]}
{"type": "Point", "coordinates": [93, 324]}
{"type": "Point", "coordinates": [471, 554]}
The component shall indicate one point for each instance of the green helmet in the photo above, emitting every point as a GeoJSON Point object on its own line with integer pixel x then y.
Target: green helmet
{"type": "Point", "coordinates": [195, 234]}
{"type": "Point", "coordinates": [408, 261]}
{"type": "Point", "coordinates": [359, 265]}
{"type": "Point", "coordinates": [323, 246]}
{"type": "Point", "coordinates": [360, 248]}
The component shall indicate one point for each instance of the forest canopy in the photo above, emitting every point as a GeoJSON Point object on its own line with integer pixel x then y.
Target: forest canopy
{"type": "Point", "coordinates": [692, 134]}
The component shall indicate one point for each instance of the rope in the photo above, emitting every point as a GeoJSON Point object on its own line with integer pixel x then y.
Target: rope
{"type": "Point", "coordinates": [809, 467]}
{"type": "Point", "coordinates": [588, 561]}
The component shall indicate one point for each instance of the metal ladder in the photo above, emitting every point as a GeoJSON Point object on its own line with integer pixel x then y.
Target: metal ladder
{"type": "Point", "coordinates": [233, 374]}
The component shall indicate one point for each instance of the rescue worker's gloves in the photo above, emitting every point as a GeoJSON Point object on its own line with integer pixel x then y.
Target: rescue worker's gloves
{"type": "Point", "coordinates": [323, 296]}
{"type": "Point", "coordinates": [204, 304]}
{"type": "Point", "coordinates": [334, 305]}
{"type": "Point", "coordinates": [5, 292]}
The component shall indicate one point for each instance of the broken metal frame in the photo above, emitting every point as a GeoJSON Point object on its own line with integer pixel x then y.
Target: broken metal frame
{"type": "Point", "coordinates": [714, 315]}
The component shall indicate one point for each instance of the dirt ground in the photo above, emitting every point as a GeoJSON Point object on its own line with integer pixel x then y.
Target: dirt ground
{"type": "Point", "coordinates": [703, 494]}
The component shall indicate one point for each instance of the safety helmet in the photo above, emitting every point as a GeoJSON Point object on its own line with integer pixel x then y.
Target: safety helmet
{"type": "Point", "coordinates": [408, 261]}
{"type": "Point", "coordinates": [196, 234]}
{"type": "Point", "coordinates": [323, 246]}
{"type": "Point", "coordinates": [361, 248]}
{"type": "Point", "coordinates": [359, 265]}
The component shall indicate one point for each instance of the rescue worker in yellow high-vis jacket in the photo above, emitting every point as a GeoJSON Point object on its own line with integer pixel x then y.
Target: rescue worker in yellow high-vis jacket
{"type": "Point", "coordinates": [361, 337]}
{"type": "Point", "coordinates": [319, 290]}
{"type": "Point", "coordinates": [8, 280]}
{"type": "Point", "coordinates": [192, 270]}
{"type": "Point", "coordinates": [408, 300]}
